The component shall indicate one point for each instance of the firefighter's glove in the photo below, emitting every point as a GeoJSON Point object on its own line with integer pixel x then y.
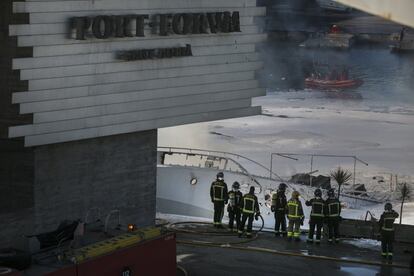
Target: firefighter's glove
{"type": "Point", "coordinates": [301, 221]}
{"type": "Point", "coordinates": [256, 217]}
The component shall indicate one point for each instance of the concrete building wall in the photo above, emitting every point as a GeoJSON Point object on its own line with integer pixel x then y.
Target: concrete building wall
{"type": "Point", "coordinates": [16, 176]}
{"type": "Point", "coordinates": [110, 173]}
{"type": "Point", "coordinates": [16, 224]}
{"type": "Point", "coordinates": [78, 89]}
{"type": "Point", "coordinates": [115, 172]}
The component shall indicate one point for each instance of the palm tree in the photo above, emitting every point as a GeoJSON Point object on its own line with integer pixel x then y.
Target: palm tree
{"type": "Point", "coordinates": [405, 192]}
{"type": "Point", "coordinates": [341, 176]}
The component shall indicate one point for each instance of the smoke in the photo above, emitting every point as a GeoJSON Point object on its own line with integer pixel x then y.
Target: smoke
{"type": "Point", "coordinates": [289, 23]}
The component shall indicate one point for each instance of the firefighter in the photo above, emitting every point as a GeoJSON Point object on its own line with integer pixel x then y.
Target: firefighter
{"type": "Point", "coordinates": [333, 216]}
{"type": "Point", "coordinates": [249, 207]}
{"type": "Point", "coordinates": [235, 198]}
{"type": "Point", "coordinates": [316, 216]}
{"type": "Point", "coordinates": [295, 216]}
{"type": "Point", "coordinates": [219, 197]}
{"type": "Point", "coordinates": [386, 224]}
{"type": "Point", "coordinates": [279, 204]}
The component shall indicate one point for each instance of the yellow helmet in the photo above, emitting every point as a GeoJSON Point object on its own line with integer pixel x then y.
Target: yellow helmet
{"type": "Point", "coordinates": [295, 194]}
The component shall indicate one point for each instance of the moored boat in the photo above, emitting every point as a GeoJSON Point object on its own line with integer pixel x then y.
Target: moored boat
{"type": "Point", "coordinates": [332, 84]}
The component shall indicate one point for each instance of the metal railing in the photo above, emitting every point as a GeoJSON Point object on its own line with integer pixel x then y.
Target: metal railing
{"type": "Point", "coordinates": [369, 213]}
{"type": "Point", "coordinates": [97, 210]}
{"type": "Point", "coordinates": [226, 155]}
{"type": "Point", "coordinates": [112, 212]}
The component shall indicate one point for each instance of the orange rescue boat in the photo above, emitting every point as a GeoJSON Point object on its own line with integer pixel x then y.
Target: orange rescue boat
{"type": "Point", "coordinates": [332, 84]}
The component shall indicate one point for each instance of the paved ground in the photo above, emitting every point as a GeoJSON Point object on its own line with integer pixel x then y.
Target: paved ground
{"type": "Point", "coordinates": [198, 260]}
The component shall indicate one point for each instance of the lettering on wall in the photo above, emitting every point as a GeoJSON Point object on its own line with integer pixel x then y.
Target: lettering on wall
{"type": "Point", "coordinates": [143, 54]}
{"type": "Point", "coordinates": [121, 26]}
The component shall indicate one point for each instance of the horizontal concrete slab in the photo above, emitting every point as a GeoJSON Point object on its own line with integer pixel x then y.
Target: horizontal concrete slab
{"type": "Point", "coordinates": [155, 109]}
{"type": "Point", "coordinates": [139, 126]}
{"type": "Point", "coordinates": [143, 75]}
{"type": "Point", "coordinates": [115, 103]}
{"type": "Point", "coordinates": [58, 17]}
{"type": "Point", "coordinates": [125, 98]}
{"type": "Point", "coordinates": [121, 87]}
{"type": "Point", "coordinates": [131, 44]}
{"type": "Point", "coordinates": [55, 6]}
{"type": "Point", "coordinates": [136, 66]}
{"type": "Point", "coordinates": [101, 58]}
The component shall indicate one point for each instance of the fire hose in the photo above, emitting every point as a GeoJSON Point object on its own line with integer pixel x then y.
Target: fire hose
{"type": "Point", "coordinates": [173, 227]}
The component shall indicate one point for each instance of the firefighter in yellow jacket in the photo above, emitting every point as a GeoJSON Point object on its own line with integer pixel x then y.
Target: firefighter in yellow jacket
{"type": "Point", "coordinates": [249, 207]}
{"type": "Point", "coordinates": [295, 216]}
{"type": "Point", "coordinates": [219, 197]}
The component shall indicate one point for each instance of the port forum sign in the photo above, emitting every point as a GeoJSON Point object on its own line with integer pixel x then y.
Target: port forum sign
{"type": "Point", "coordinates": [123, 26]}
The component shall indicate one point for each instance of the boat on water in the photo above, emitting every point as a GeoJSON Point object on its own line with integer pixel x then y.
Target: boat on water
{"type": "Point", "coordinates": [332, 84]}
{"type": "Point", "coordinates": [184, 176]}
{"type": "Point", "coordinates": [405, 43]}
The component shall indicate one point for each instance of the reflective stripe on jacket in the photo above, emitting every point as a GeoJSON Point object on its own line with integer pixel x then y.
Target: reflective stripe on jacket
{"type": "Point", "coordinates": [387, 220]}
{"type": "Point", "coordinates": [250, 204]}
{"type": "Point", "coordinates": [294, 208]}
{"type": "Point", "coordinates": [218, 191]}
{"type": "Point", "coordinates": [317, 207]}
{"type": "Point", "coordinates": [333, 207]}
